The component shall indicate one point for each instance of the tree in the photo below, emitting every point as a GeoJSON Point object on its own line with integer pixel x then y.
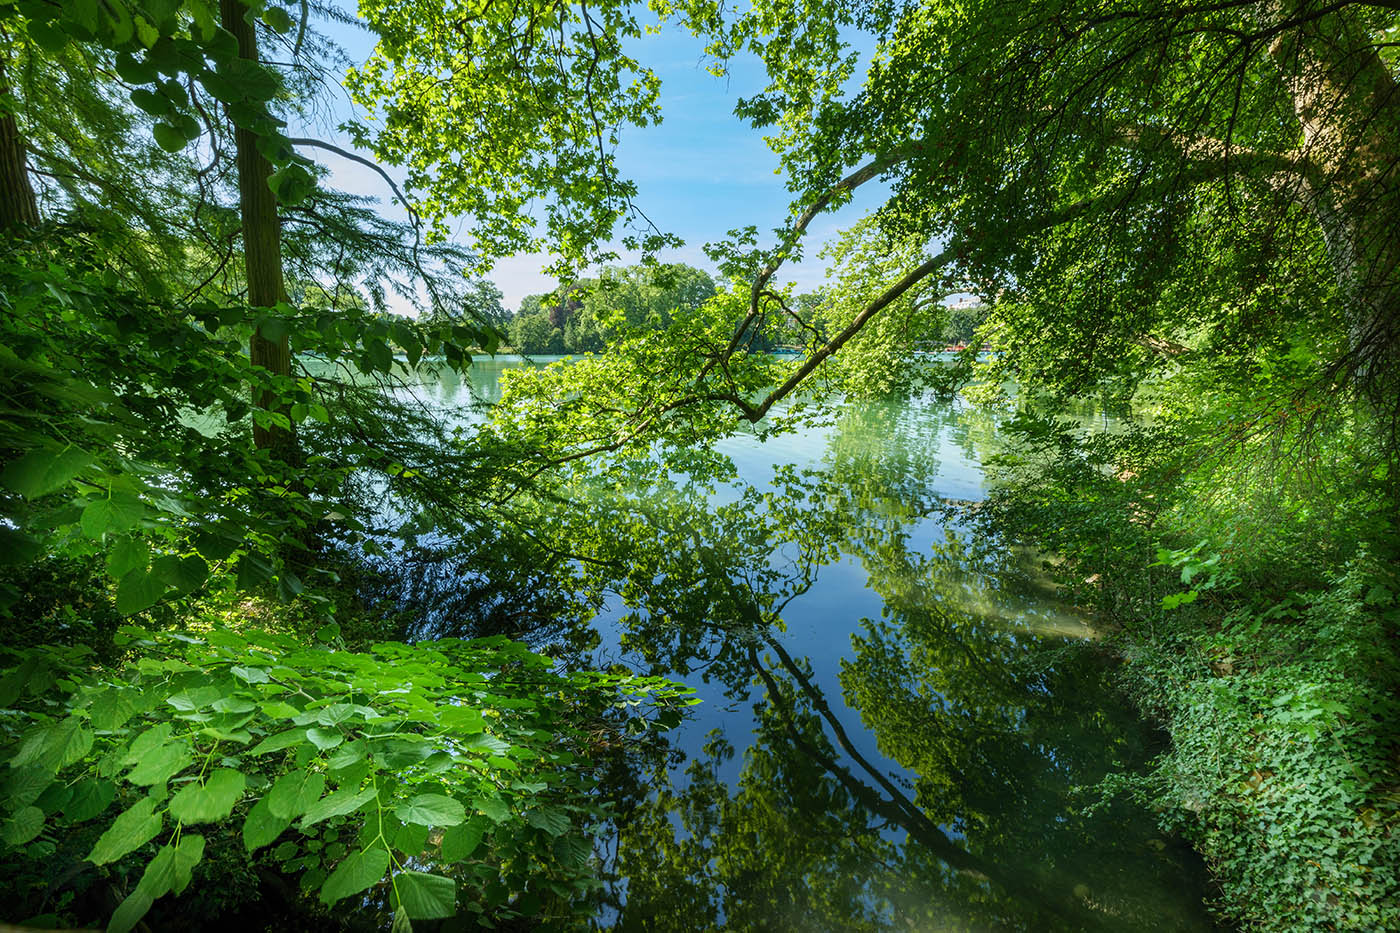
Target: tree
{"type": "Point", "coordinates": [124, 434]}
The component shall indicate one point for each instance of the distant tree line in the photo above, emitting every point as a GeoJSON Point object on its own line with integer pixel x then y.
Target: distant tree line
{"type": "Point", "coordinates": [588, 314]}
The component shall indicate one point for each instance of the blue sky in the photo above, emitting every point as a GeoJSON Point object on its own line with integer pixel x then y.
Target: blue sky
{"type": "Point", "coordinates": [699, 173]}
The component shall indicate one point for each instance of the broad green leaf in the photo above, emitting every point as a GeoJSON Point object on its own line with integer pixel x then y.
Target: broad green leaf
{"type": "Point", "coordinates": [432, 810]}
{"type": "Point", "coordinates": [356, 872]}
{"type": "Point", "coordinates": [335, 714]}
{"type": "Point", "coordinates": [187, 855]}
{"type": "Point", "coordinates": [424, 896]}
{"type": "Point", "coordinates": [159, 875]}
{"type": "Point", "coordinates": [113, 710]}
{"type": "Point", "coordinates": [113, 515]}
{"type": "Point", "coordinates": [252, 675]}
{"type": "Point", "coordinates": [17, 548]}
{"type": "Point", "coordinates": [130, 912]}
{"type": "Point", "coordinates": [162, 764]}
{"type": "Point", "coordinates": [350, 753]}
{"type": "Point", "coordinates": [401, 922]}
{"type": "Point", "coordinates": [24, 785]}
{"type": "Point", "coordinates": [262, 827]}
{"type": "Point", "coordinates": [493, 807]}
{"type": "Point", "coordinates": [138, 590]}
{"type": "Point", "coordinates": [136, 826]}
{"type": "Point", "coordinates": [90, 797]}
{"type": "Point", "coordinates": [23, 826]}
{"type": "Point", "coordinates": [54, 746]}
{"type": "Point", "coordinates": [279, 741]}
{"type": "Point", "coordinates": [182, 574]}
{"type": "Point", "coordinates": [213, 800]}
{"type": "Point", "coordinates": [324, 739]}
{"type": "Point", "coordinates": [234, 705]}
{"type": "Point", "coordinates": [294, 793]}
{"type": "Point", "coordinates": [42, 471]}
{"type": "Point", "coordinates": [410, 838]}
{"type": "Point", "coordinates": [458, 842]}
{"type": "Point", "coordinates": [128, 554]}
{"type": "Point", "coordinates": [147, 742]}
{"type": "Point", "coordinates": [337, 804]}
{"type": "Point", "coordinates": [169, 138]}
{"type": "Point", "coordinates": [550, 819]}
{"type": "Point", "coordinates": [462, 719]}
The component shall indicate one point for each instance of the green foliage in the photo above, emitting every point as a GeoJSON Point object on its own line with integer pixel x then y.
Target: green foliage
{"type": "Point", "coordinates": [538, 98]}
{"type": "Point", "coordinates": [255, 728]}
{"type": "Point", "coordinates": [591, 314]}
{"type": "Point", "coordinates": [1249, 584]}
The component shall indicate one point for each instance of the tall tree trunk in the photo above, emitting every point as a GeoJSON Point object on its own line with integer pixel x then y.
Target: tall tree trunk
{"type": "Point", "coordinates": [18, 209]}
{"type": "Point", "coordinates": [262, 244]}
{"type": "Point", "coordinates": [1347, 104]}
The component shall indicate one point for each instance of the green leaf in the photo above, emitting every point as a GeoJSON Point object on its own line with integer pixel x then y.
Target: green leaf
{"type": "Point", "coordinates": [324, 739]}
{"type": "Point", "coordinates": [181, 574]}
{"type": "Point", "coordinates": [337, 804]}
{"type": "Point", "coordinates": [159, 875]}
{"type": "Point", "coordinates": [550, 819]}
{"type": "Point", "coordinates": [355, 873]}
{"type": "Point", "coordinates": [136, 826]}
{"type": "Point", "coordinates": [53, 746]}
{"type": "Point", "coordinates": [130, 912]}
{"type": "Point", "coordinates": [252, 675]}
{"type": "Point", "coordinates": [170, 138]}
{"type": "Point", "coordinates": [401, 922]}
{"type": "Point", "coordinates": [162, 764]}
{"type": "Point", "coordinates": [127, 554]}
{"type": "Point", "coordinates": [17, 548]}
{"type": "Point", "coordinates": [277, 19]}
{"type": "Point", "coordinates": [493, 807]}
{"type": "Point", "coordinates": [294, 793]}
{"type": "Point", "coordinates": [90, 797]}
{"type": "Point", "coordinates": [432, 810]}
{"type": "Point", "coordinates": [42, 471]}
{"type": "Point", "coordinates": [211, 801]}
{"type": "Point", "coordinates": [119, 513]}
{"type": "Point", "coordinates": [292, 183]}
{"type": "Point", "coordinates": [137, 591]}
{"type": "Point", "coordinates": [262, 826]}
{"type": "Point", "coordinates": [424, 896]}
{"type": "Point", "coordinates": [23, 826]}
{"type": "Point", "coordinates": [187, 855]}
{"type": "Point", "coordinates": [461, 841]}
{"type": "Point", "coordinates": [23, 786]}
{"type": "Point", "coordinates": [279, 741]}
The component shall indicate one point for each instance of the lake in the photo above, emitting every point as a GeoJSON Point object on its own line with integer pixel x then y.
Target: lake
{"type": "Point", "coordinates": [902, 728]}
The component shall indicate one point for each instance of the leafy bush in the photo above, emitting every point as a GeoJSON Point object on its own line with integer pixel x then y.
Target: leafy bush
{"type": "Point", "coordinates": [407, 772]}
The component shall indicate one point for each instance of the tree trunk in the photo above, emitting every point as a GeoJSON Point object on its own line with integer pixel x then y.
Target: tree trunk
{"type": "Point", "coordinates": [262, 245]}
{"type": "Point", "coordinates": [1348, 108]}
{"type": "Point", "coordinates": [18, 209]}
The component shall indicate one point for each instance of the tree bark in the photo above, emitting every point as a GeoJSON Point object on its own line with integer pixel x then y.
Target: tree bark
{"type": "Point", "coordinates": [19, 210]}
{"type": "Point", "coordinates": [262, 245]}
{"type": "Point", "coordinates": [1347, 104]}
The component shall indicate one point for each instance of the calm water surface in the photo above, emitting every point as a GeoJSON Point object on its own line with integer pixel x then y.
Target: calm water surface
{"type": "Point", "coordinates": [901, 727]}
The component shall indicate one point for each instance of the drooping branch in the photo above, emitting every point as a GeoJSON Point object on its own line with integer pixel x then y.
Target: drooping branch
{"type": "Point", "coordinates": [1197, 172]}
{"type": "Point", "coordinates": [872, 169]}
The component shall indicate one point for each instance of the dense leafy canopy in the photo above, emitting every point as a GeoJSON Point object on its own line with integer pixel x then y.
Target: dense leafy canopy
{"type": "Point", "coordinates": [1189, 207]}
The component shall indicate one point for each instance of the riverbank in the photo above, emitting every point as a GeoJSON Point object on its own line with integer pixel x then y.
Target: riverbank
{"type": "Point", "coordinates": [1255, 613]}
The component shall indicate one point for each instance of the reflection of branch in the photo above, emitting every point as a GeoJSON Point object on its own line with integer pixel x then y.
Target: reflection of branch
{"type": "Point", "coordinates": [899, 809]}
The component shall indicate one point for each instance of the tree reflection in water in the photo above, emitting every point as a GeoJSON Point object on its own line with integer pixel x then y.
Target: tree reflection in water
{"type": "Point", "coordinates": [993, 722]}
